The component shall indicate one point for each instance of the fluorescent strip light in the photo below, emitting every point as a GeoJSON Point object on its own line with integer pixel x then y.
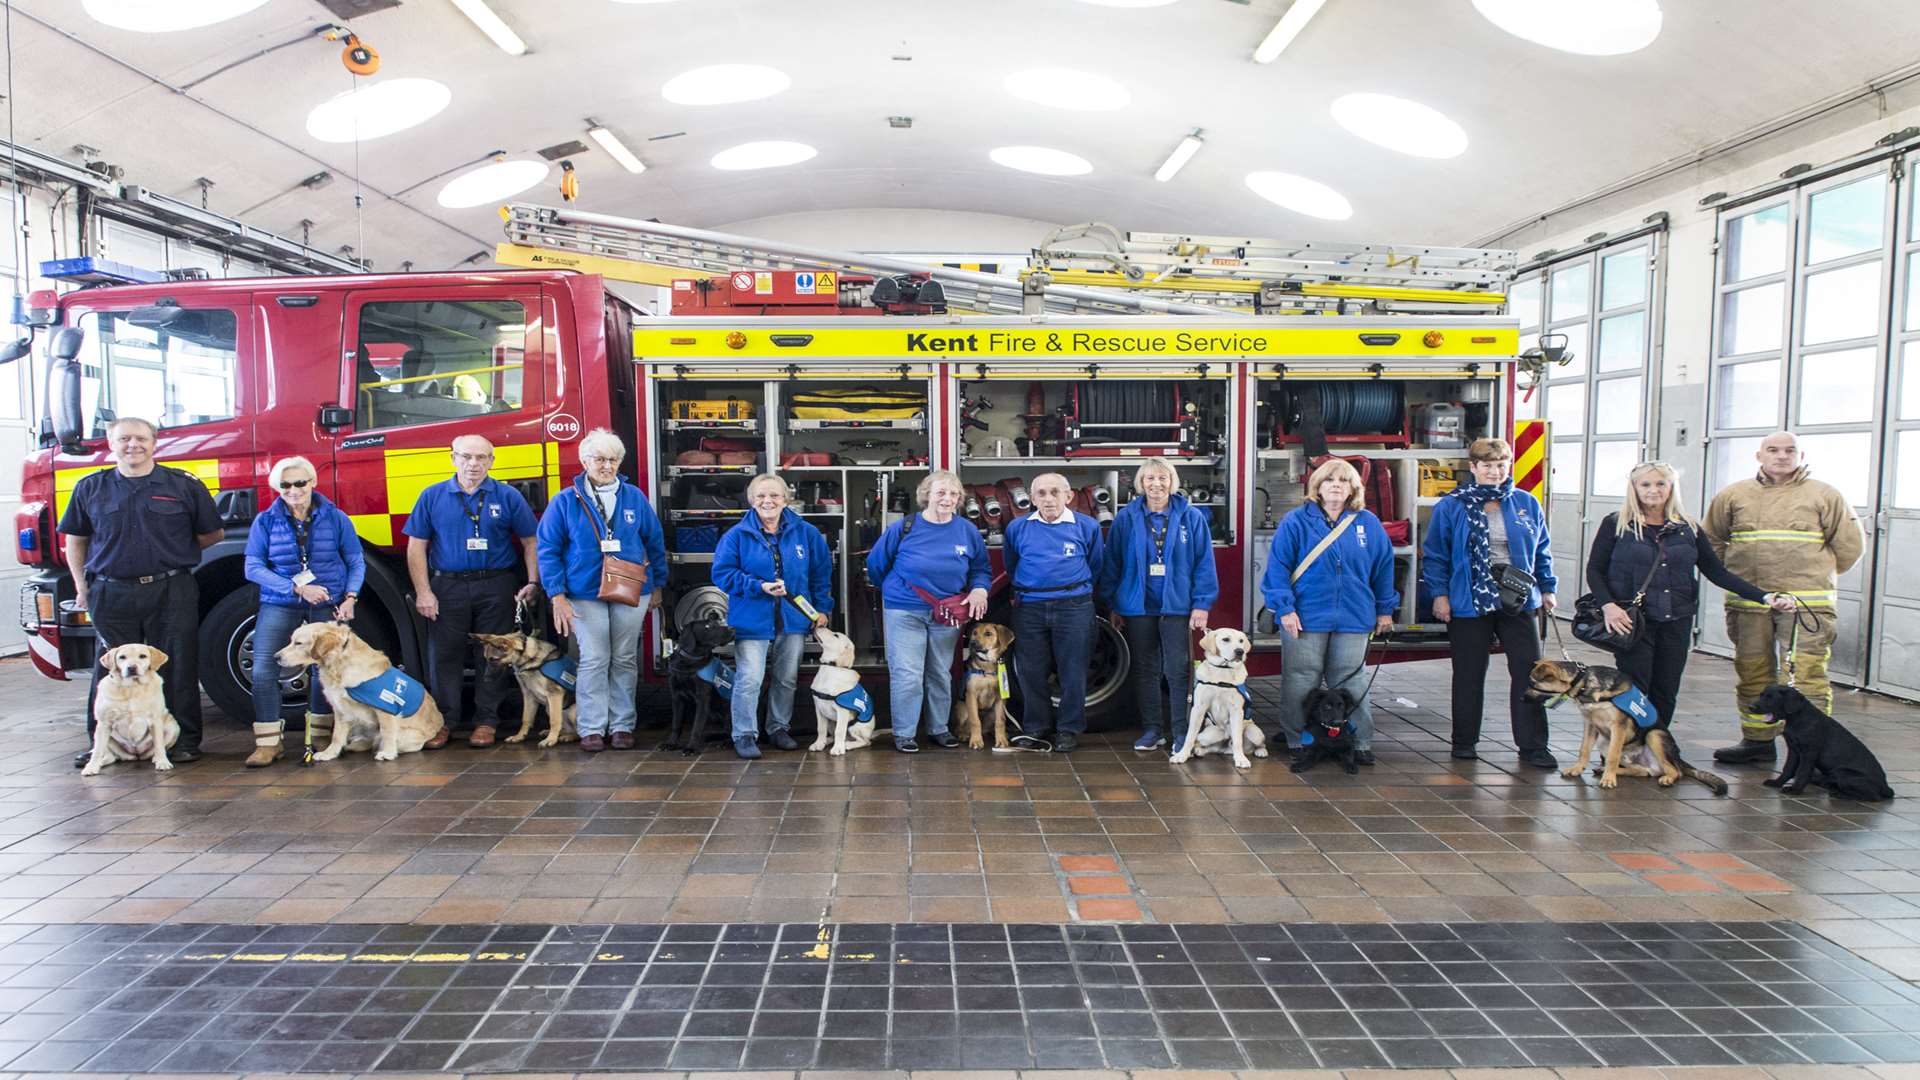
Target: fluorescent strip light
{"type": "Point", "coordinates": [615, 148]}
{"type": "Point", "coordinates": [1284, 31]}
{"type": "Point", "coordinates": [493, 26]}
{"type": "Point", "coordinates": [1177, 160]}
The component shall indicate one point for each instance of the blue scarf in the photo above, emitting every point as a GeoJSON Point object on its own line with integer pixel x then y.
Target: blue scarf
{"type": "Point", "coordinates": [1475, 497]}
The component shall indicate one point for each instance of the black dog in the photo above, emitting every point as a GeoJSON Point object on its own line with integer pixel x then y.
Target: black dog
{"type": "Point", "coordinates": [1821, 750]}
{"type": "Point", "coordinates": [689, 679]}
{"type": "Point", "coordinates": [1327, 733]}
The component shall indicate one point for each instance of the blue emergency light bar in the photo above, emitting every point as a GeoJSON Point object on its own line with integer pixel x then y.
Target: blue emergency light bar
{"type": "Point", "coordinates": [88, 270]}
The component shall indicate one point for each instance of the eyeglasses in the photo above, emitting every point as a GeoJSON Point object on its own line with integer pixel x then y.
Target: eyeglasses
{"type": "Point", "coordinates": [597, 460]}
{"type": "Point", "coordinates": [472, 457]}
{"type": "Point", "coordinates": [294, 485]}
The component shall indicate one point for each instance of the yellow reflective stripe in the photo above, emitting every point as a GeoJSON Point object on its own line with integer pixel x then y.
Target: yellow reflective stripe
{"type": "Point", "coordinates": [551, 454]}
{"type": "Point", "coordinates": [206, 470]}
{"type": "Point", "coordinates": [1810, 597]}
{"type": "Point", "coordinates": [374, 528]}
{"type": "Point", "coordinates": [1793, 535]}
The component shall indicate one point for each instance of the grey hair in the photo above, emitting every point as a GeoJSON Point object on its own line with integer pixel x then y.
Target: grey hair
{"type": "Point", "coordinates": [280, 468]}
{"type": "Point", "coordinates": [1151, 463]}
{"type": "Point", "coordinates": [1064, 482]}
{"type": "Point", "coordinates": [602, 443]}
{"type": "Point", "coordinates": [152, 431]}
{"type": "Point", "coordinates": [769, 478]}
{"type": "Point", "coordinates": [458, 439]}
{"type": "Point", "coordinates": [924, 492]}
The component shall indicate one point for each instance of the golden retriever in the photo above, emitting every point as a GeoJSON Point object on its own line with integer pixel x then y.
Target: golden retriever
{"type": "Point", "coordinates": [848, 729]}
{"type": "Point", "coordinates": [1219, 713]}
{"type": "Point", "coordinates": [344, 660]}
{"type": "Point", "coordinates": [130, 717]}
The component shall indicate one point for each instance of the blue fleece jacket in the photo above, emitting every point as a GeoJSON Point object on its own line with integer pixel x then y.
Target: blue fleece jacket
{"type": "Point", "coordinates": [746, 559]}
{"type": "Point", "coordinates": [1346, 588]}
{"type": "Point", "coordinates": [1053, 561]}
{"type": "Point", "coordinates": [333, 554]}
{"type": "Point", "coordinates": [1443, 557]}
{"type": "Point", "coordinates": [570, 541]}
{"type": "Point", "coordinates": [943, 559]}
{"type": "Point", "coordinates": [1191, 582]}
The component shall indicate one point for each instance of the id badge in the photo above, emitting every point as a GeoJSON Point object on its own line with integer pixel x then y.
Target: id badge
{"type": "Point", "coordinates": [610, 547]}
{"type": "Point", "coordinates": [476, 543]}
{"type": "Point", "coordinates": [304, 577]}
{"type": "Point", "coordinates": [1157, 570]}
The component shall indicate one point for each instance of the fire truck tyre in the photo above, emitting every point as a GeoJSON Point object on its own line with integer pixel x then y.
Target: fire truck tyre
{"type": "Point", "coordinates": [226, 655]}
{"type": "Point", "coordinates": [1106, 676]}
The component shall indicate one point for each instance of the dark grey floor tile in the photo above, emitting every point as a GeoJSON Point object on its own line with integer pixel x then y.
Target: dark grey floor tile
{"type": "Point", "coordinates": [1889, 1046]}
{"type": "Point", "coordinates": [561, 1055]}
{"type": "Point", "coordinates": [1136, 1054]}
{"type": "Point", "coordinates": [706, 1054]}
{"type": "Point", "coordinates": [1486, 1053]}
{"type": "Point", "coordinates": [1418, 1053]}
{"type": "Point", "coordinates": [127, 1055]}
{"type": "Point", "coordinates": [925, 1054]}
{"type": "Point", "coordinates": [1206, 1054]}
{"type": "Point", "coordinates": [1054, 1053]}
{"type": "Point", "coordinates": [1623, 1050]}
{"type": "Point", "coordinates": [994, 1053]}
{"type": "Point", "coordinates": [419, 1057]}
{"type": "Point", "coordinates": [1348, 1053]}
{"type": "Point", "coordinates": [1828, 1049]}
{"type": "Point", "coordinates": [1392, 1023]}
{"type": "Point", "coordinates": [848, 1054]}
{"type": "Point", "coordinates": [1555, 1052]}
{"type": "Point", "coordinates": [635, 1054]}
{"type": "Point", "coordinates": [1759, 1050]}
{"type": "Point", "coordinates": [488, 1057]}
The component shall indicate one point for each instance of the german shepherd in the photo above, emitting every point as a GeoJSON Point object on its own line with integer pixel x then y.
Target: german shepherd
{"type": "Point", "coordinates": [1646, 752]}
{"type": "Point", "coordinates": [987, 646]}
{"type": "Point", "coordinates": [524, 656]}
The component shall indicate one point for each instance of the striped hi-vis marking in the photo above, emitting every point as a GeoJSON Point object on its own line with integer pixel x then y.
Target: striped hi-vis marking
{"type": "Point", "coordinates": [1530, 458]}
{"type": "Point", "coordinates": [1809, 597]}
{"type": "Point", "coordinates": [981, 268]}
{"type": "Point", "coordinates": [1786, 536]}
{"type": "Point", "coordinates": [207, 470]}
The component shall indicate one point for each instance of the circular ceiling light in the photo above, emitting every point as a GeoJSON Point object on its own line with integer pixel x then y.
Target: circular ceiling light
{"type": "Point", "coordinates": [724, 84]}
{"type": "Point", "coordinates": [1399, 124]}
{"type": "Point", "coordinates": [1042, 160]}
{"type": "Point", "coordinates": [377, 109]}
{"type": "Point", "coordinates": [1064, 88]}
{"type": "Point", "coordinates": [1588, 27]}
{"type": "Point", "coordinates": [164, 16]}
{"type": "Point", "coordinates": [491, 183]}
{"type": "Point", "coordinates": [1301, 195]}
{"type": "Point", "coordinates": [763, 155]}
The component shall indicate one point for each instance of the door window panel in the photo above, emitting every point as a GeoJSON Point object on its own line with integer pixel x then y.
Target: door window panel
{"type": "Point", "coordinates": [1733, 460]}
{"type": "Point", "coordinates": [1846, 220]}
{"type": "Point", "coordinates": [1750, 320]}
{"type": "Point", "coordinates": [1837, 387]}
{"type": "Point", "coordinates": [1523, 302]}
{"type": "Point", "coordinates": [1567, 408]}
{"type": "Point", "coordinates": [1622, 340]}
{"type": "Point", "coordinates": [1749, 395]}
{"type": "Point", "coordinates": [1623, 279]}
{"type": "Point", "coordinates": [1571, 288]}
{"type": "Point", "coordinates": [1842, 304]}
{"type": "Point", "coordinates": [175, 375]}
{"type": "Point", "coordinates": [1757, 244]}
{"type": "Point", "coordinates": [1613, 459]}
{"type": "Point", "coordinates": [431, 361]}
{"type": "Point", "coordinates": [1910, 381]}
{"type": "Point", "coordinates": [1906, 470]}
{"type": "Point", "coordinates": [1616, 407]}
{"type": "Point", "coordinates": [1576, 352]}
{"type": "Point", "coordinates": [1567, 466]}
{"type": "Point", "coordinates": [1912, 321]}
{"type": "Point", "coordinates": [1843, 460]}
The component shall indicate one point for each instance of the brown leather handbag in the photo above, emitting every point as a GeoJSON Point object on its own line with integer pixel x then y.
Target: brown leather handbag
{"type": "Point", "coordinates": [621, 582]}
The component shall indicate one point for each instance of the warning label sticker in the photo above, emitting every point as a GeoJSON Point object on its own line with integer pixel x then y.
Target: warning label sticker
{"type": "Point", "coordinates": [823, 284]}
{"type": "Point", "coordinates": [763, 283]}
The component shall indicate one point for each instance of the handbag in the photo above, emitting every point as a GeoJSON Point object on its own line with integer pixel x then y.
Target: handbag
{"type": "Point", "coordinates": [1590, 622]}
{"type": "Point", "coordinates": [621, 581]}
{"type": "Point", "coordinates": [945, 610]}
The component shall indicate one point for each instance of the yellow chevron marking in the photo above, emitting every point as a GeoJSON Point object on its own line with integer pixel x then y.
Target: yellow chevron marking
{"type": "Point", "coordinates": [374, 528]}
{"type": "Point", "coordinates": [207, 470]}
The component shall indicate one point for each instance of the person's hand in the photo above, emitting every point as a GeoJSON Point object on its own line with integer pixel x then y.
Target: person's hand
{"type": "Point", "coordinates": [562, 616]}
{"type": "Point", "coordinates": [977, 603]}
{"type": "Point", "coordinates": [1118, 620]}
{"type": "Point", "coordinates": [79, 598]}
{"type": "Point", "coordinates": [427, 604]}
{"type": "Point", "coordinates": [526, 592]}
{"type": "Point", "coordinates": [344, 612]}
{"type": "Point", "coordinates": [1617, 619]}
{"type": "Point", "coordinates": [311, 593]}
{"type": "Point", "coordinates": [1382, 623]}
{"type": "Point", "coordinates": [819, 622]}
{"type": "Point", "coordinates": [1197, 620]}
{"type": "Point", "coordinates": [1290, 622]}
{"type": "Point", "coordinates": [654, 600]}
{"type": "Point", "coordinates": [1781, 602]}
{"type": "Point", "coordinates": [1443, 609]}
{"type": "Point", "coordinates": [774, 588]}
{"type": "Point", "coordinates": [1548, 601]}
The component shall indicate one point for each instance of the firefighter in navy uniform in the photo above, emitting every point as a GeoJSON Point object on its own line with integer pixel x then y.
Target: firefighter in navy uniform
{"type": "Point", "coordinates": [134, 534]}
{"type": "Point", "coordinates": [461, 540]}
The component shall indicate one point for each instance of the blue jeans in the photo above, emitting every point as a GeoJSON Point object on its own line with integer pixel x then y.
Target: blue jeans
{"type": "Point", "coordinates": [1338, 660]}
{"type": "Point", "coordinates": [919, 671]}
{"type": "Point", "coordinates": [1050, 638]}
{"type": "Point", "coordinates": [750, 665]}
{"type": "Point", "coordinates": [609, 638]}
{"type": "Point", "coordinates": [273, 627]}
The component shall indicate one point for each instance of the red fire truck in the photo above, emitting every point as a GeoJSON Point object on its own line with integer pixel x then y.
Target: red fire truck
{"type": "Point", "coordinates": [372, 376]}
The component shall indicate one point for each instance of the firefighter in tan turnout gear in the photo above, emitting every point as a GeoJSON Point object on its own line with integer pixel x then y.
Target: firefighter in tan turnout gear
{"type": "Point", "coordinates": [1796, 535]}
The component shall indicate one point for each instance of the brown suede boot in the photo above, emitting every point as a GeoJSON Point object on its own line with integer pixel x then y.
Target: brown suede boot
{"type": "Point", "coordinates": [267, 747]}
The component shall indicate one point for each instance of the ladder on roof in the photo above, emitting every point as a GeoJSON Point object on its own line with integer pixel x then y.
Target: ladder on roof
{"type": "Point", "coordinates": [1180, 276]}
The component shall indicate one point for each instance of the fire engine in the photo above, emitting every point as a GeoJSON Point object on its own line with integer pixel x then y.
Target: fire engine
{"type": "Point", "coordinates": [1237, 360]}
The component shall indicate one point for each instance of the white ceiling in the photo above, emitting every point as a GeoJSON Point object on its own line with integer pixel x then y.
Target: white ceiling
{"type": "Point", "coordinates": [1543, 126]}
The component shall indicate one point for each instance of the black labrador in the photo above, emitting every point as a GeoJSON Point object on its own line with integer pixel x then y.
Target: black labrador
{"type": "Point", "coordinates": [1327, 734]}
{"type": "Point", "coordinates": [1821, 750]}
{"type": "Point", "coordinates": [690, 679]}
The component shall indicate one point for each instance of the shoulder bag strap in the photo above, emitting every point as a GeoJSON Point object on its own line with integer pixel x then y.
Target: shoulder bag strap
{"type": "Point", "coordinates": [1325, 543]}
{"type": "Point", "coordinates": [600, 529]}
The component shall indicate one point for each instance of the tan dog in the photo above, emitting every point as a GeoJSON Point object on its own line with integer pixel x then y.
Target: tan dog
{"type": "Point", "coordinates": [130, 717]}
{"type": "Point", "coordinates": [834, 684]}
{"type": "Point", "coordinates": [525, 656]}
{"type": "Point", "coordinates": [344, 661]}
{"type": "Point", "coordinates": [1629, 748]}
{"type": "Point", "coordinates": [987, 645]}
{"type": "Point", "coordinates": [1219, 706]}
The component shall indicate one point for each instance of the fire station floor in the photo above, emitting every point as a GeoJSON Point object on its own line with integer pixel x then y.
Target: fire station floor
{"type": "Point", "coordinates": [514, 909]}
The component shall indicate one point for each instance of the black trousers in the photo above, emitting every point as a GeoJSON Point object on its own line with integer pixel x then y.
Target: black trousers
{"type": "Point", "coordinates": [1657, 660]}
{"type": "Point", "coordinates": [1162, 651]}
{"type": "Point", "coordinates": [1472, 641]}
{"type": "Point", "coordinates": [166, 615]}
{"type": "Point", "coordinates": [469, 606]}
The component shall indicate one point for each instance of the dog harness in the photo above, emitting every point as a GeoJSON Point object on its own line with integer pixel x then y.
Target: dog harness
{"type": "Point", "coordinates": [1635, 704]}
{"type": "Point", "coordinates": [564, 670]}
{"type": "Point", "coordinates": [856, 701]}
{"type": "Point", "coordinates": [720, 674]}
{"type": "Point", "coordinates": [1242, 687]}
{"type": "Point", "coordinates": [392, 691]}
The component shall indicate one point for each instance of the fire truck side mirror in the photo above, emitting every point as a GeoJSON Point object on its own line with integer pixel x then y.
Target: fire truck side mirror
{"type": "Point", "coordinates": [15, 349]}
{"type": "Point", "coordinates": [1553, 348]}
{"type": "Point", "coordinates": [63, 393]}
{"type": "Point", "coordinates": [335, 417]}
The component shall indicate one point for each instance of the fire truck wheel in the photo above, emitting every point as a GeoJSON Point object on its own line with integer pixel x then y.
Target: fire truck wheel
{"type": "Point", "coordinates": [1106, 676]}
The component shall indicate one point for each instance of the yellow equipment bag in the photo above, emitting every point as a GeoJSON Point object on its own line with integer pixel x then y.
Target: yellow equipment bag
{"type": "Point", "coordinates": [857, 403]}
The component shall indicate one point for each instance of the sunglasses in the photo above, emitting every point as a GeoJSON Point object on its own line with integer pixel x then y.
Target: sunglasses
{"type": "Point", "coordinates": [294, 485]}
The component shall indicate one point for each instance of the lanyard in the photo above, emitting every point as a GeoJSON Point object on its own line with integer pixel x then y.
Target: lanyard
{"type": "Point", "coordinates": [779, 574]}
{"type": "Point", "coordinates": [1159, 540]}
{"type": "Point", "coordinates": [602, 514]}
{"type": "Point", "coordinates": [472, 511]}
{"type": "Point", "coordinates": [301, 533]}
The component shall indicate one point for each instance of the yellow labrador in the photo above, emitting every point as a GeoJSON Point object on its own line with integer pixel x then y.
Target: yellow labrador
{"type": "Point", "coordinates": [346, 661]}
{"type": "Point", "coordinates": [841, 707]}
{"type": "Point", "coordinates": [130, 717]}
{"type": "Point", "coordinates": [1219, 713]}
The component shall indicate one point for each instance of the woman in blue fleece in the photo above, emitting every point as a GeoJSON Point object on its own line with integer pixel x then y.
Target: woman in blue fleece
{"type": "Point", "coordinates": [1330, 603]}
{"type": "Point", "coordinates": [1158, 580]}
{"type": "Point", "coordinates": [600, 508]}
{"type": "Point", "coordinates": [921, 558]}
{"type": "Point", "coordinates": [770, 557]}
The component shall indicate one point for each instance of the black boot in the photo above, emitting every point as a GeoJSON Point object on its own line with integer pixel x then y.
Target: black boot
{"type": "Point", "coordinates": [1747, 752]}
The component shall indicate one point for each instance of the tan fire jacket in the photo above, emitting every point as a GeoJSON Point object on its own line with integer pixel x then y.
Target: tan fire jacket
{"type": "Point", "coordinates": [1795, 537]}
